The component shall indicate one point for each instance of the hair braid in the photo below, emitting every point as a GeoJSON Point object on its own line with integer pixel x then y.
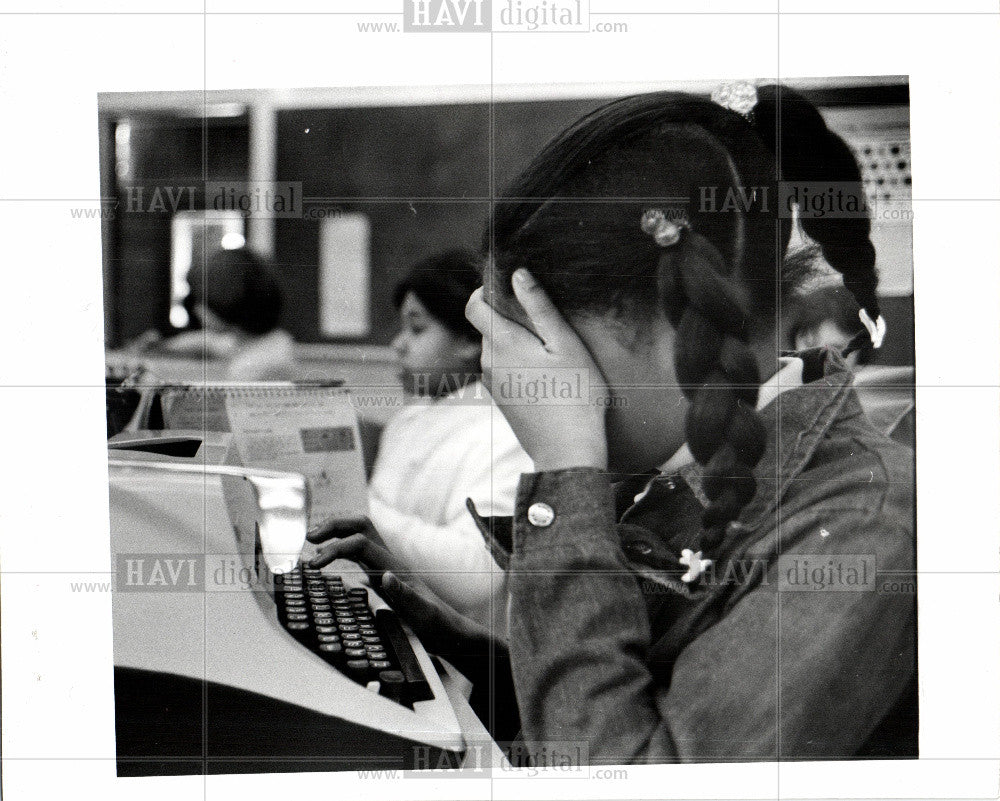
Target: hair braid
{"type": "Point", "coordinates": [813, 155]}
{"type": "Point", "coordinates": [718, 374]}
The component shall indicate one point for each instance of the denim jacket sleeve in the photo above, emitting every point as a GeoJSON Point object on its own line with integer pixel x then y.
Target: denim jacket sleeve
{"type": "Point", "coordinates": [780, 675]}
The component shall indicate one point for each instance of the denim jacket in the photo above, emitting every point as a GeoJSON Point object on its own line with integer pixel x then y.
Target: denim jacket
{"type": "Point", "coordinates": [797, 642]}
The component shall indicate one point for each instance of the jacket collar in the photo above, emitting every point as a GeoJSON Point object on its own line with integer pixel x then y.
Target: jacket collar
{"type": "Point", "coordinates": [797, 419]}
{"type": "Point", "coordinates": [789, 376]}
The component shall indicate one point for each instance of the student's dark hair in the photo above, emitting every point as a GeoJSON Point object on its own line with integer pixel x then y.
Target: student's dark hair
{"type": "Point", "coordinates": [573, 219]}
{"type": "Point", "coordinates": [443, 284]}
{"type": "Point", "coordinates": [240, 287]}
{"type": "Point", "coordinates": [810, 309]}
{"type": "Point", "coordinates": [813, 156]}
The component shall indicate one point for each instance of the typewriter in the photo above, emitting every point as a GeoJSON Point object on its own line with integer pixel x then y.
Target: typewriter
{"type": "Point", "coordinates": [288, 668]}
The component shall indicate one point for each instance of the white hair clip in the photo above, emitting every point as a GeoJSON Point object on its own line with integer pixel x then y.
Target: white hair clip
{"type": "Point", "coordinates": [738, 96]}
{"type": "Point", "coordinates": [665, 232]}
{"type": "Point", "coordinates": [876, 328]}
{"type": "Point", "coordinates": [694, 563]}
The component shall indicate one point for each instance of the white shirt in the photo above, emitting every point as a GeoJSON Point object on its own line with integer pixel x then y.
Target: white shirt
{"type": "Point", "coordinates": [432, 456]}
{"type": "Point", "coordinates": [270, 357]}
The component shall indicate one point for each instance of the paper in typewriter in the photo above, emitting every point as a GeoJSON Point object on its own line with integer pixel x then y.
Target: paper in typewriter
{"type": "Point", "coordinates": [312, 431]}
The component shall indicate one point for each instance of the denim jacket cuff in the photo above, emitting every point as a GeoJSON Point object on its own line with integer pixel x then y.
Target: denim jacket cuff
{"type": "Point", "coordinates": [563, 508]}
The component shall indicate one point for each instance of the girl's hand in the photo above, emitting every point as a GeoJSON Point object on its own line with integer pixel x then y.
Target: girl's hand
{"type": "Point", "coordinates": [357, 540]}
{"type": "Point", "coordinates": [339, 527]}
{"type": "Point", "coordinates": [440, 628]}
{"type": "Point", "coordinates": [547, 385]}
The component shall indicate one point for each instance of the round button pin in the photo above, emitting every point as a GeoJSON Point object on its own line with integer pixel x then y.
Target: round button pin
{"type": "Point", "coordinates": [541, 515]}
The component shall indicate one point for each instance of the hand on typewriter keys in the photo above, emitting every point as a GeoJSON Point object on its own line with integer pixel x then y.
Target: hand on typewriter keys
{"type": "Point", "coordinates": [364, 546]}
{"type": "Point", "coordinates": [344, 527]}
{"type": "Point", "coordinates": [440, 628]}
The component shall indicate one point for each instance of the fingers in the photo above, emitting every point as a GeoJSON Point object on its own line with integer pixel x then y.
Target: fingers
{"type": "Point", "coordinates": [494, 326]}
{"type": "Point", "coordinates": [335, 528]}
{"type": "Point", "coordinates": [478, 311]}
{"type": "Point", "coordinates": [357, 548]}
{"type": "Point", "coordinates": [545, 317]}
{"type": "Point", "coordinates": [419, 611]}
{"type": "Point", "coordinates": [438, 625]}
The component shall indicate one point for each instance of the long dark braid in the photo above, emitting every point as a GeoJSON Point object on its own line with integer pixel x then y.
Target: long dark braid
{"type": "Point", "coordinates": [813, 156]}
{"type": "Point", "coordinates": [719, 375]}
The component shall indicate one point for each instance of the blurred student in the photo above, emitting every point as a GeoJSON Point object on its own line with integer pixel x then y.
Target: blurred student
{"type": "Point", "coordinates": [237, 299]}
{"type": "Point", "coordinates": [828, 317]}
{"type": "Point", "coordinates": [449, 444]}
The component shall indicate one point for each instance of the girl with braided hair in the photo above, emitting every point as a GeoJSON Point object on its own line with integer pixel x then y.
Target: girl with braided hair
{"type": "Point", "coordinates": [672, 558]}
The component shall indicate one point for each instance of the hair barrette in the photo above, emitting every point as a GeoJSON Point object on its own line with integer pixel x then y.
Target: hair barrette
{"type": "Point", "coordinates": [738, 96]}
{"type": "Point", "coordinates": [876, 328]}
{"type": "Point", "coordinates": [665, 232]}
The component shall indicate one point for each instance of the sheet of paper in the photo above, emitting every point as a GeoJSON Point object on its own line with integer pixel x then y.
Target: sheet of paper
{"type": "Point", "coordinates": [312, 431]}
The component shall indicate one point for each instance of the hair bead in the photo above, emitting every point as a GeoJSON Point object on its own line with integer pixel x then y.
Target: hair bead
{"type": "Point", "coordinates": [665, 232]}
{"type": "Point", "coordinates": [738, 96]}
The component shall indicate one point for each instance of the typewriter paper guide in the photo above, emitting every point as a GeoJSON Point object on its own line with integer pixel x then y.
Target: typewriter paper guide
{"type": "Point", "coordinates": [221, 629]}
